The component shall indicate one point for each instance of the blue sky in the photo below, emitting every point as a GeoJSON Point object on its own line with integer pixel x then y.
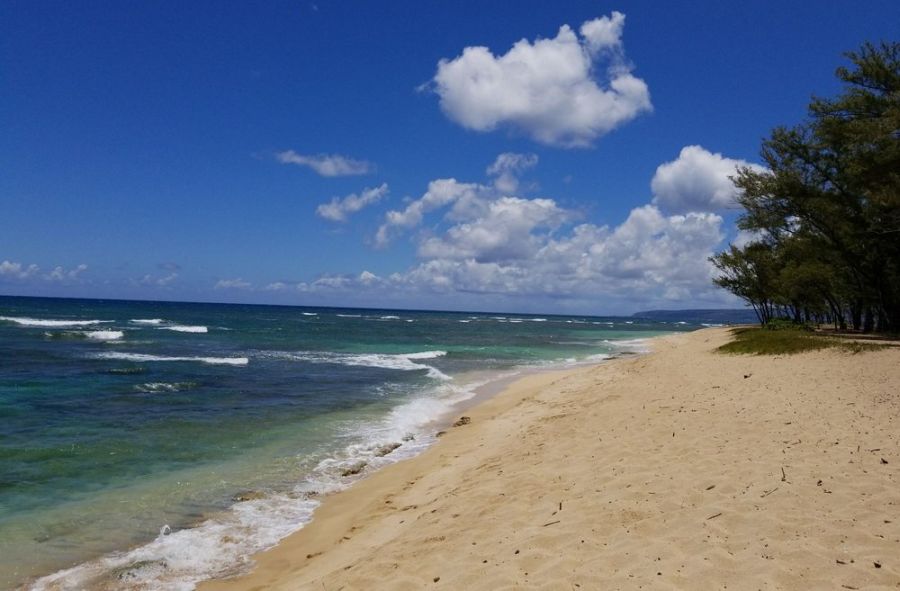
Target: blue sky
{"type": "Point", "coordinates": [189, 151]}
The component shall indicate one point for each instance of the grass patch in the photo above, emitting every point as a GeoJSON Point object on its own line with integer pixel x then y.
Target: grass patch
{"type": "Point", "coordinates": [755, 341]}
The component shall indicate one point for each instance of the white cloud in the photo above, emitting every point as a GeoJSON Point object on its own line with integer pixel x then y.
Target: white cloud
{"type": "Point", "coordinates": [15, 270]}
{"type": "Point", "coordinates": [550, 89]}
{"type": "Point", "coordinates": [698, 180]}
{"type": "Point", "coordinates": [164, 281]}
{"type": "Point", "coordinates": [327, 164]}
{"type": "Point", "coordinates": [368, 278]}
{"type": "Point", "coordinates": [604, 33]}
{"type": "Point", "coordinates": [60, 274]}
{"type": "Point", "coordinates": [150, 280]}
{"type": "Point", "coordinates": [508, 229]}
{"type": "Point", "coordinates": [476, 239]}
{"type": "Point", "coordinates": [338, 209]}
{"type": "Point", "coordinates": [649, 256]}
{"type": "Point", "coordinates": [507, 168]}
{"type": "Point", "coordinates": [232, 284]}
{"type": "Point", "coordinates": [440, 193]}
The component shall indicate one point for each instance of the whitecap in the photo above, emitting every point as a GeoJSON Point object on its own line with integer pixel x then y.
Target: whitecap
{"type": "Point", "coordinates": [349, 315]}
{"type": "Point", "coordinates": [142, 357]}
{"type": "Point", "coordinates": [38, 322]}
{"type": "Point", "coordinates": [182, 328]}
{"type": "Point", "coordinates": [309, 313]}
{"type": "Point", "coordinates": [157, 387]}
{"type": "Point", "coordinates": [151, 321]}
{"type": "Point", "coordinates": [389, 317]}
{"type": "Point", "coordinates": [401, 361]}
{"type": "Point", "coordinates": [178, 560]}
{"type": "Point", "coordinates": [104, 335]}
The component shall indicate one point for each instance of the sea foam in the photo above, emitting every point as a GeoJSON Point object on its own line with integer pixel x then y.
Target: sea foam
{"type": "Point", "coordinates": [401, 361]}
{"type": "Point", "coordinates": [141, 357]}
{"type": "Point", "coordinates": [104, 335]}
{"type": "Point", "coordinates": [183, 328]}
{"type": "Point", "coordinates": [38, 322]}
{"type": "Point", "coordinates": [152, 321]}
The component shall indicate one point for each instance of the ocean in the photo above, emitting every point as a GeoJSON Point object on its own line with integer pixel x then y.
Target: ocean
{"type": "Point", "coordinates": [152, 445]}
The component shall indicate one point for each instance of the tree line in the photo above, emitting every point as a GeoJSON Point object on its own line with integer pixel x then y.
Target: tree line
{"type": "Point", "coordinates": [824, 217]}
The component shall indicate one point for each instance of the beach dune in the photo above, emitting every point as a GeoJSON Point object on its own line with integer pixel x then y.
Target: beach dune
{"type": "Point", "coordinates": [680, 469]}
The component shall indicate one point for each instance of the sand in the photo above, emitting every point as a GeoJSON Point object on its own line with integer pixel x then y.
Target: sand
{"type": "Point", "coordinates": [681, 469]}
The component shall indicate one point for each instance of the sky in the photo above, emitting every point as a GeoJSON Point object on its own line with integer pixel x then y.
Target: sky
{"type": "Point", "coordinates": [524, 156]}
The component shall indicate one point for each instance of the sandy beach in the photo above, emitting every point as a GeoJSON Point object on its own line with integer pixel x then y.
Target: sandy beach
{"type": "Point", "coordinates": [680, 469]}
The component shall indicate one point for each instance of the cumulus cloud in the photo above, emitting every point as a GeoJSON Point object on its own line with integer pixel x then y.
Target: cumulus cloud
{"type": "Point", "coordinates": [232, 284]}
{"type": "Point", "coordinates": [440, 193]}
{"type": "Point", "coordinates": [557, 91]}
{"type": "Point", "coordinates": [473, 238]}
{"type": "Point", "coordinates": [327, 164]}
{"type": "Point", "coordinates": [649, 255]}
{"type": "Point", "coordinates": [510, 229]}
{"type": "Point", "coordinates": [14, 270]}
{"type": "Point", "coordinates": [507, 168]}
{"type": "Point", "coordinates": [698, 180]}
{"type": "Point", "coordinates": [338, 208]}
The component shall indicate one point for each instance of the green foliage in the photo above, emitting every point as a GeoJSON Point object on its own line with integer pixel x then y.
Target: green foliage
{"type": "Point", "coordinates": [787, 341]}
{"type": "Point", "coordinates": [827, 209]}
{"type": "Point", "coordinates": [785, 324]}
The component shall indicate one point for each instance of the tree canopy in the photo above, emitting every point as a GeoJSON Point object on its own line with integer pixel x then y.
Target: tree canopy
{"type": "Point", "coordinates": [826, 212]}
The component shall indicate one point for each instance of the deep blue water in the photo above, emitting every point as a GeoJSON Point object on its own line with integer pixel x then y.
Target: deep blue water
{"type": "Point", "coordinates": [134, 425]}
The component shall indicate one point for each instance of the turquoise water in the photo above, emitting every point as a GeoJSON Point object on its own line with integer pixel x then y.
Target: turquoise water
{"type": "Point", "coordinates": [152, 445]}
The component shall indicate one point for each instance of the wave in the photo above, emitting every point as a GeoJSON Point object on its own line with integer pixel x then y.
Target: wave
{"type": "Point", "coordinates": [223, 545]}
{"type": "Point", "coordinates": [38, 322]}
{"type": "Point", "coordinates": [152, 321]}
{"type": "Point", "coordinates": [309, 313]}
{"type": "Point", "coordinates": [141, 357]}
{"type": "Point", "coordinates": [401, 361]}
{"type": "Point", "coordinates": [158, 387]}
{"type": "Point", "coordinates": [182, 328]}
{"type": "Point", "coordinates": [180, 560]}
{"type": "Point", "coordinates": [349, 315]}
{"type": "Point", "coordinates": [632, 345]}
{"type": "Point", "coordinates": [104, 335]}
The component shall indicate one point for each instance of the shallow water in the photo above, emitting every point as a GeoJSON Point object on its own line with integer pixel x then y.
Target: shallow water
{"type": "Point", "coordinates": [127, 429]}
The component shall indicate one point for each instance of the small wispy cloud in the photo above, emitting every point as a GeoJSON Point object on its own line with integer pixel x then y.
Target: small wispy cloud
{"type": "Point", "coordinates": [232, 284]}
{"type": "Point", "coordinates": [21, 272]}
{"type": "Point", "coordinates": [150, 280]}
{"type": "Point", "coordinates": [339, 208]}
{"type": "Point", "coordinates": [329, 165]}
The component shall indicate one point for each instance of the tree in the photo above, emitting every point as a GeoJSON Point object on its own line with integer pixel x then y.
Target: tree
{"type": "Point", "coordinates": [829, 202]}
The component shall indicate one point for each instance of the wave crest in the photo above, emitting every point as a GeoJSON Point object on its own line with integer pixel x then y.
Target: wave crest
{"type": "Point", "coordinates": [45, 323]}
{"type": "Point", "coordinates": [142, 357]}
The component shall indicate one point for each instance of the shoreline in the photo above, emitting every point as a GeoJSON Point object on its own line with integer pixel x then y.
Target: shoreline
{"type": "Point", "coordinates": [478, 387]}
{"type": "Point", "coordinates": [660, 468]}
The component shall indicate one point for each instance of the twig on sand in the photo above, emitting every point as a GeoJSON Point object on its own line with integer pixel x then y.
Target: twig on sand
{"type": "Point", "coordinates": [551, 523]}
{"type": "Point", "coordinates": [783, 475]}
{"type": "Point", "coordinates": [713, 516]}
{"type": "Point", "coordinates": [768, 492]}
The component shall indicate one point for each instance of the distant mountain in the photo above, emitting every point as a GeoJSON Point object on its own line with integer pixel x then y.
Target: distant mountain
{"type": "Point", "coordinates": [733, 316]}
